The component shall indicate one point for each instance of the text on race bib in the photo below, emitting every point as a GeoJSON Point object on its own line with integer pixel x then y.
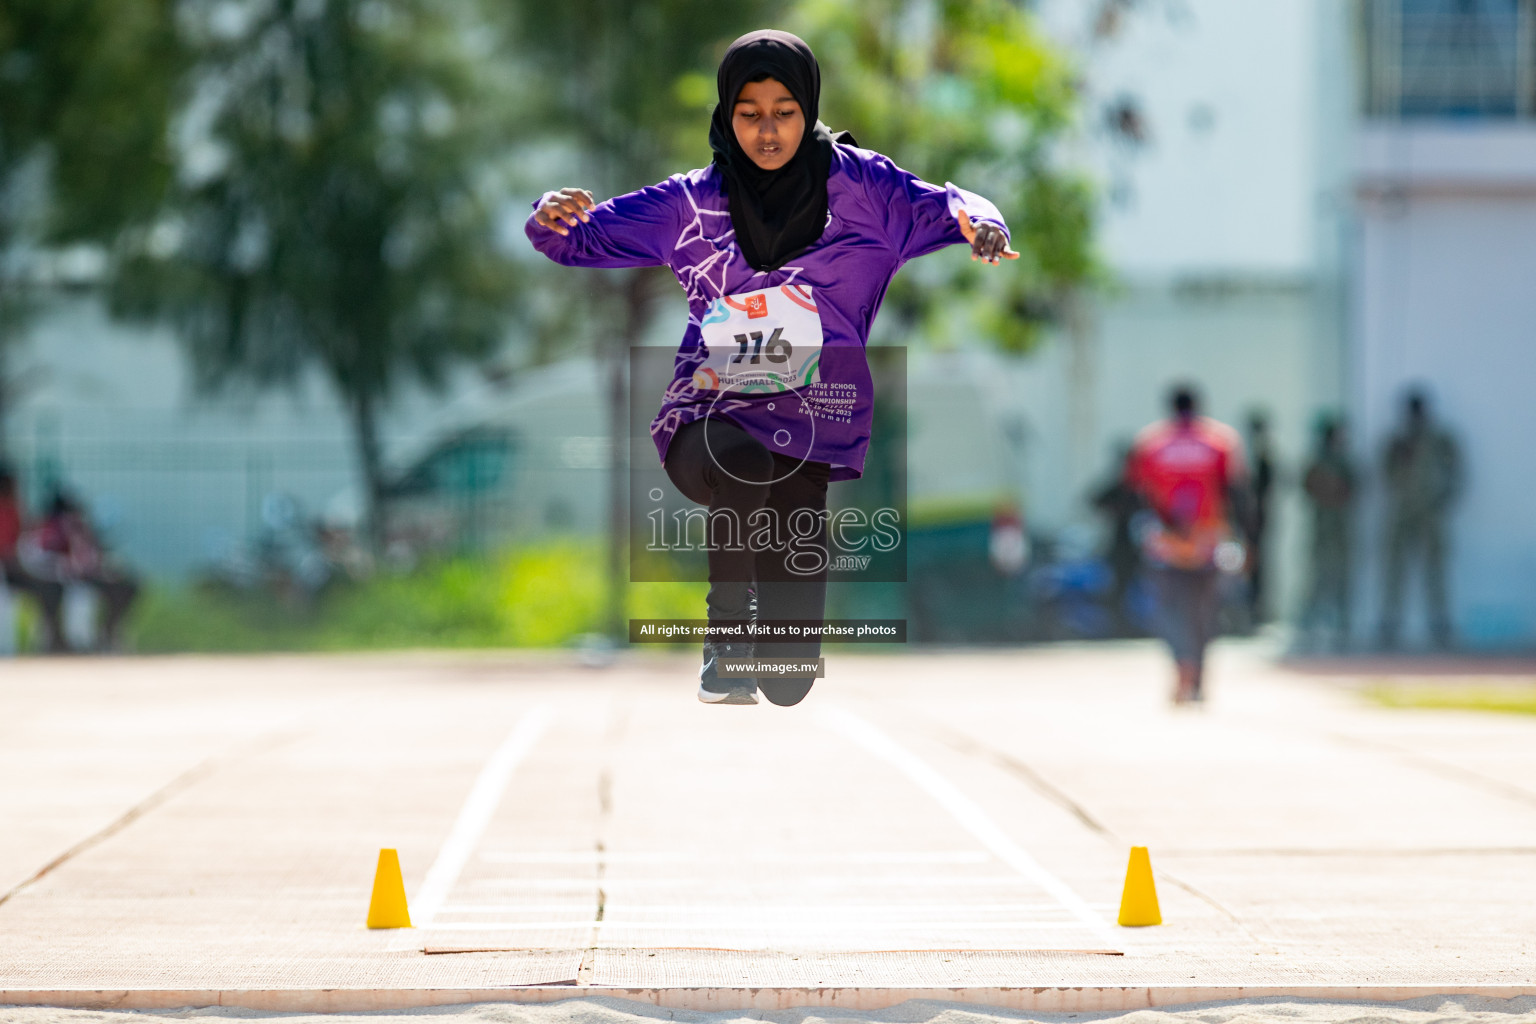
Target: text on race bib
{"type": "Point", "coordinates": [765, 342]}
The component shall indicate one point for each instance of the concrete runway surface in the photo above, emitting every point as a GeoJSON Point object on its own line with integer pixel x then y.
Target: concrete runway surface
{"type": "Point", "coordinates": [949, 827]}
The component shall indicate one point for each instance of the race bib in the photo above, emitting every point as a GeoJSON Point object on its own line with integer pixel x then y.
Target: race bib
{"type": "Point", "coordinates": [764, 342]}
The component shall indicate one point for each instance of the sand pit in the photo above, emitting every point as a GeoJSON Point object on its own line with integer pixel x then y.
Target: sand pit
{"type": "Point", "coordinates": [1427, 1010]}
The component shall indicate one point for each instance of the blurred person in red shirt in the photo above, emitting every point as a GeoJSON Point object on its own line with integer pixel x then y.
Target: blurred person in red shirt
{"type": "Point", "coordinates": [49, 594]}
{"type": "Point", "coordinates": [1188, 469]}
{"type": "Point", "coordinates": [66, 544]}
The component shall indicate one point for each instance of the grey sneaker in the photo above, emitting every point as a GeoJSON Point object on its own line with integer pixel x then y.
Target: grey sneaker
{"type": "Point", "coordinates": [715, 690]}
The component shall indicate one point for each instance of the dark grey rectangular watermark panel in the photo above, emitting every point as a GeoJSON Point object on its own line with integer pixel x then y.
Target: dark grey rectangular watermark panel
{"type": "Point", "coordinates": [853, 631]}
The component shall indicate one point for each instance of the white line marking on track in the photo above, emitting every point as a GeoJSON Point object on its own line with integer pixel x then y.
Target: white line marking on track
{"type": "Point", "coordinates": [473, 817]}
{"type": "Point", "coordinates": [612, 857]}
{"type": "Point", "coordinates": [814, 910]}
{"type": "Point", "coordinates": [965, 811]}
{"type": "Point", "coordinates": [612, 883]}
{"type": "Point", "coordinates": [707, 926]}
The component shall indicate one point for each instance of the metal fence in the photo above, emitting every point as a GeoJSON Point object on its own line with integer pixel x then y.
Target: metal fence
{"type": "Point", "coordinates": [179, 507]}
{"type": "Point", "coordinates": [172, 507]}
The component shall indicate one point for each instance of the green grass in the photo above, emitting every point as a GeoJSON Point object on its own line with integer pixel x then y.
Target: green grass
{"type": "Point", "coordinates": [1519, 699]}
{"type": "Point", "coordinates": [538, 596]}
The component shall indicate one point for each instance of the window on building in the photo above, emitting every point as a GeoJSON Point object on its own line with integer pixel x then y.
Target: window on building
{"type": "Point", "coordinates": [1450, 58]}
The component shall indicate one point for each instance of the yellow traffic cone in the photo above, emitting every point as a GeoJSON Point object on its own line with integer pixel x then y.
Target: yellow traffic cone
{"type": "Point", "coordinates": [387, 909]}
{"type": "Point", "coordinates": [1138, 903]}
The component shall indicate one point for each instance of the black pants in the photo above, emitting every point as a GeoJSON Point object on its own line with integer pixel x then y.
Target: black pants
{"type": "Point", "coordinates": [717, 464]}
{"type": "Point", "coordinates": [1188, 604]}
{"type": "Point", "coordinates": [117, 594]}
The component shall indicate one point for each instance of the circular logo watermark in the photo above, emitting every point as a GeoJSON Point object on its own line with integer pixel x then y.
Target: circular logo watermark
{"type": "Point", "coordinates": [782, 437]}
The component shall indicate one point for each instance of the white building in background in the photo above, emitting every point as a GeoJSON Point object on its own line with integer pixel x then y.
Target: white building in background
{"type": "Point", "coordinates": [1335, 202]}
{"type": "Point", "coordinates": [1443, 274]}
{"type": "Point", "coordinates": [1223, 229]}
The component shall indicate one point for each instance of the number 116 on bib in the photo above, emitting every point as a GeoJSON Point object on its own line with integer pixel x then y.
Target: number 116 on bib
{"type": "Point", "coordinates": [767, 341]}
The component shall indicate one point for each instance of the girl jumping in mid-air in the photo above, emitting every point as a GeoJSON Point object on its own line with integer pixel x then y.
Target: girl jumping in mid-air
{"type": "Point", "coordinates": [785, 245]}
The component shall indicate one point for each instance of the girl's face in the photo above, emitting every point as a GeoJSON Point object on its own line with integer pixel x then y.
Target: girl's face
{"type": "Point", "coordinates": [769, 123]}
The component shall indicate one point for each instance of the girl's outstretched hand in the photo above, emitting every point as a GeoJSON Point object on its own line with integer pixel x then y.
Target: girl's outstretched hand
{"type": "Point", "coordinates": [988, 242]}
{"type": "Point", "coordinates": [564, 207]}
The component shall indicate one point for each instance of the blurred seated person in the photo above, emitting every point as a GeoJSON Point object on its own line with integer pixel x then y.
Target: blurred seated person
{"type": "Point", "coordinates": [67, 549]}
{"type": "Point", "coordinates": [49, 594]}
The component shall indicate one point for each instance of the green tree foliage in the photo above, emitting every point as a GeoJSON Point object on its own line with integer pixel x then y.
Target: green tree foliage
{"type": "Point", "coordinates": [968, 91]}
{"type": "Point", "coordinates": [963, 90]}
{"type": "Point", "coordinates": [621, 85]}
{"type": "Point", "coordinates": [624, 102]}
{"type": "Point", "coordinates": [85, 92]}
{"type": "Point", "coordinates": [336, 202]}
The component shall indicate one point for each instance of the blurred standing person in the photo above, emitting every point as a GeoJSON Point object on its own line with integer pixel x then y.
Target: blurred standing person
{"type": "Point", "coordinates": [1187, 468]}
{"type": "Point", "coordinates": [1422, 467]}
{"type": "Point", "coordinates": [1118, 501]}
{"type": "Point", "coordinates": [49, 594]}
{"type": "Point", "coordinates": [1261, 458]}
{"type": "Point", "coordinates": [1330, 487]}
{"type": "Point", "coordinates": [66, 539]}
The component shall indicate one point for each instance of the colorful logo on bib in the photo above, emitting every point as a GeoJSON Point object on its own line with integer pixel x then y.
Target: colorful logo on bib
{"type": "Point", "coordinates": [757, 306]}
{"type": "Point", "coordinates": [800, 295]}
{"type": "Point", "coordinates": [718, 313]}
{"type": "Point", "coordinates": [705, 379]}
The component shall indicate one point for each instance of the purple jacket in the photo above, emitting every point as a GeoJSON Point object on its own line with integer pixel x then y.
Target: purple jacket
{"type": "Point", "coordinates": [879, 216]}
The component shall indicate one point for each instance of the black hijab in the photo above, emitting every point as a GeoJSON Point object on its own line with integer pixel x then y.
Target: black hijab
{"type": "Point", "coordinates": [776, 214]}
